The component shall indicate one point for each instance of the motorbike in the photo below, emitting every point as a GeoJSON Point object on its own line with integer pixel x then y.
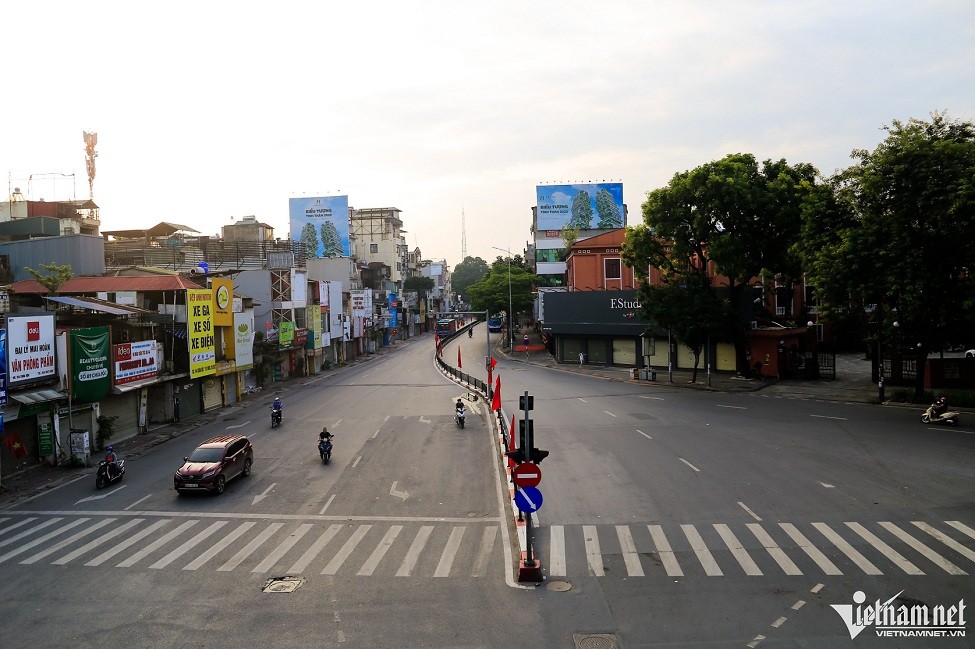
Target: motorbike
{"type": "Point", "coordinates": [459, 415]}
{"type": "Point", "coordinates": [325, 449]}
{"type": "Point", "coordinates": [275, 418]}
{"type": "Point", "coordinates": [102, 477]}
{"type": "Point", "coordinates": [947, 418]}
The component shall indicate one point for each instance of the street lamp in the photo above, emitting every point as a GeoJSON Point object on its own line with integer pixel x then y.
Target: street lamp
{"type": "Point", "coordinates": [880, 357]}
{"type": "Point", "coordinates": [511, 333]}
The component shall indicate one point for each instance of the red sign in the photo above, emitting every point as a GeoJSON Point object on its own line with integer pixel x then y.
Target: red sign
{"type": "Point", "coordinates": [526, 474]}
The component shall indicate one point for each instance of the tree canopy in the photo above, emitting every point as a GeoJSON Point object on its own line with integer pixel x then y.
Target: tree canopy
{"type": "Point", "coordinates": [471, 270]}
{"type": "Point", "coordinates": [491, 292]}
{"type": "Point", "coordinates": [55, 276]}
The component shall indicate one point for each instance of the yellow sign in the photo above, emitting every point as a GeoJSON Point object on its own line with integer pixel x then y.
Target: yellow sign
{"type": "Point", "coordinates": [223, 297]}
{"type": "Point", "coordinates": [199, 323]}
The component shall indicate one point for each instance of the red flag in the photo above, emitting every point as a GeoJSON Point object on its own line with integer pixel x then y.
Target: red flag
{"type": "Point", "coordinates": [496, 403]}
{"type": "Point", "coordinates": [16, 447]}
{"type": "Point", "coordinates": [494, 362]}
{"type": "Point", "coordinates": [436, 340]}
{"type": "Point", "coordinates": [459, 364]}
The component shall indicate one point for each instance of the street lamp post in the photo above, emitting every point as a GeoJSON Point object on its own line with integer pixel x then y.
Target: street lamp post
{"type": "Point", "coordinates": [511, 333]}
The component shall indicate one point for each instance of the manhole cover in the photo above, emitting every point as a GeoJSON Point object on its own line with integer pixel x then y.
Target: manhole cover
{"type": "Point", "coordinates": [282, 584]}
{"type": "Point", "coordinates": [559, 586]}
{"type": "Point", "coordinates": [594, 641]}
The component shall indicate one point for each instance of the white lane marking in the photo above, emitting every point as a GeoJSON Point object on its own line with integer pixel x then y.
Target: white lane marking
{"type": "Point", "coordinates": [664, 551]}
{"type": "Point", "coordinates": [488, 539]}
{"type": "Point", "coordinates": [449, 552]}
{"type": "Point", "coordinates": [609, 413]}
{"type": "Point", "coordinates": [814, 553]}
{"type": "Point", "coordinates": [155, 545]}
{"type": "Point", "coordinates": [644, 434]}
{"type": "Point", "coordinates": [399, 494]}
{"type": "Point", "coordinates": [899, 560]}
{"type": "Point", "coordinates": [735, 407]}
{"type": "Point", "coordinates": [377, 555]}
{"type": "Point", "coordinates": [632, 560]}
{"type": "Point", "coordinates": [779, 622]}
{"type": "Point", "coordinates": [933, 556]}
{"type": "Point", "coordinates": [351, 382]}
{"type": "Point", "coordinates": [737, 550]}
{"type": "Point", "coordinates": [218, 546]}
{"type": "Point", "coordinates": [262, 496]}
{"type": "Point", "coordinates": [556, 560]}
{"type": "Point", "coordinates": [189, 545]}
{"type": "Point", "coordinates": [817, 588]}
{"type": "Point", "coordinates": [829, 417]}
{"type": "Point", "coordinates": [356, 463]}
{"type": "Point", "coordinates": [251, 547]}
{"type": "Point", "coordinates": [704, 555]}
{"type": "Point", "coordinates": [327, 503]}
{"type": "Point", "coordinates": [104, 495]}
{"type": "Point", "coordinates": [108, 554]}
{"type": "Point", "coordinates": [593, 556]}
{"type": "Point", "coordinates": [343, 554]}
{"type": "Point", "coordinates": [413, 555]}
{"type": "Point", "coordinates": [847, 549]}
{"type": "Point", "coordinates": [947, 540]}
{"type": "Point", "coordinates": [246, 423]}
{"type": "Point", "coordinates": [689, 464]}
{"type": "Point", "coordinates": [338, 421]}
{"type": "Point", "coordinates": [774, 550]}
{"type": "Point", "coordinates": [424, 420]}
{"type": "Point", "coordinates": [137, 502]}
{"type": "Point", "coordinates": [582, 400]}
{"type": "Point", "coordinates": [68, 558]}
{"type": "Point", "coordinates": [68, 541]}
{"type": "Point", "coordinates": [282, 549]}
{"type": "Point", "coordinates": [315, 548]}
{"type": "Point", "coordinates": [753, 514]}
{"type": "Point", "coordinates": [16, 525]}
{"type": "Point", "coordinates": [827, 485]}
{"type": "Point", "coordinates": [643, 396]}
{"type": "Point", "coordinates": [386, 419]}
{"type": "Point", "coordinates": [754, 643]}
{"type": "Point", "coordinates": [374, 434]}
{"type": "Point", "coordinates": [961, 527]}
{"type": "Point", "coordinates": [799, 604]}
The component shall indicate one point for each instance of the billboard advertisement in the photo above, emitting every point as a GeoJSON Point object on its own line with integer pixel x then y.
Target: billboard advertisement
{"type": "Point", "coordinates": [90, 380]}
{"type": "Point", "coordinates": [586, 206]}
{"type": "Point", "coordinates": [135, 361]}
{"type": "Point", "coordinates": [241, 346]}
{"type": "Point", "coordinates": [199, 316]}
{"type": "Point", "coordinates": [30, 349]}
{"type": "Point", "coordinates": [322, 224]}
{"type": "Point", "coordinates": [223, 299]}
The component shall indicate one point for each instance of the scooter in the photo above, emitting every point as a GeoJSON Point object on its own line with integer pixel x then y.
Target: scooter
{"type": "Point", "coordinates": [102, 478]}
{"type": "Point", "coordinates": [275, 418]}
{"type": "Point", "coordinates": [459, 415]}
{"type": "Point", "coordinates": [947, 418]}
{"type": "Point", "coordinates": [325, 449]}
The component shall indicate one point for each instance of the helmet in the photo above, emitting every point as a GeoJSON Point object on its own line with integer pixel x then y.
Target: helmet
{"type": "Point", "coordinates": [108, 448]}
{"type": "Point", "coordinates": [942, 400]}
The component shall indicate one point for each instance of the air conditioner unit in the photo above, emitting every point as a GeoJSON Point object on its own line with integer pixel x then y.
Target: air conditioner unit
{"type": "Point", "coordinates": [754, 324]}
{"type": "Point", "coordinates": [196, 270]}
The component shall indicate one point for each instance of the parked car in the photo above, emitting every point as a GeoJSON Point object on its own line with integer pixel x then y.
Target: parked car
{"type": "Point", "coordinates": [213, 463]}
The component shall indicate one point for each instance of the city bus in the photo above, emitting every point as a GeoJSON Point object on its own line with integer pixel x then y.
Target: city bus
{"type": "Point", "coordinates": [495, 324]}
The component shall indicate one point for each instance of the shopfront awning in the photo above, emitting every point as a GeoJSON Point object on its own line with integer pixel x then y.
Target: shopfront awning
{"type": "Point", "coordinates": [32, 397]}
{"type": "Point", "coordinates": [142, 383]}
{"type": "Point", "coordinates": [95, 304]}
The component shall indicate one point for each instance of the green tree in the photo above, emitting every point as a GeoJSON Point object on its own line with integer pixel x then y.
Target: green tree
{"type": "Point", "coordinates": [896, 231]}
{"type": "Point", "coordinates": [53, 278]}
{"type": "Point", "coordinates": [471, 270]}
{"type": "Point", "coordinates": [569, 237]}
{"type": "Point", "coordinates": [581, 211]}
{"type": "Point", "coordinates": [491, 292]}
{"type": "Point", "coordinates": [743, 216]}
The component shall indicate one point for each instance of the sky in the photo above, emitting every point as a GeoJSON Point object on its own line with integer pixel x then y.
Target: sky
{"type": "Point", "coordinates": [210, 111]}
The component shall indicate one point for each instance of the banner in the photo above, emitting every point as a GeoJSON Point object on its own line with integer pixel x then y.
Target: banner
{"type": "Point", "coordinates": [586, 206]}
{"type": "Point", "coordinates": [223, 297]}
{"type": "Point", "coordinates": [135, 361]}
{"type": "Point", "coordinates": [240, 347]}
{"type": "Point", "coordinates": [203, 356]}
{"type": "Point", "coordinates": [321, 224]}
{"type": "Point", "coordinates": [90, 380]}
{"type": "Point", "coordinates": [30, 349]}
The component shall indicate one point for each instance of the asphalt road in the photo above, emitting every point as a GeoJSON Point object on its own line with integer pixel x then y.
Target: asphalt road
{"type": "Point", "coordinates": [671, 518]}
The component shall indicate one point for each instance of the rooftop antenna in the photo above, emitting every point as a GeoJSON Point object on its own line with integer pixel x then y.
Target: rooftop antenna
{"type": "Point", "coordinates": [91, 139]}
{"type": "Point", "coordinates": [463, 235]}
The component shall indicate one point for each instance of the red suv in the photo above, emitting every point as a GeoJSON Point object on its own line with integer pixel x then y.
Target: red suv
{"type": "Point", "coordinates": [213, 463]}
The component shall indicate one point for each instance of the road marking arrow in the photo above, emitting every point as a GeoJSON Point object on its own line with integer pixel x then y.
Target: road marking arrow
{"type": "Point", "coordinates": [424, 420]}
{"type": "Point", "coordinates": [399, 494]}
{"type": "Point", "coordinates": [261, 497]}
{"type": "Point", "coordinates": [100, 496]}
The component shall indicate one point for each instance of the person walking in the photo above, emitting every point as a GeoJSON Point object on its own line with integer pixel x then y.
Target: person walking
{"type": "Point", "coordinates": [582, 358]}
{"type": "Point", "coordinates": [527, 341]}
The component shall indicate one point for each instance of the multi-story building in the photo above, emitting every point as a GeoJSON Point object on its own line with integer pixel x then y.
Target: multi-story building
{"type": "Point", "coordinates": [378, 233]}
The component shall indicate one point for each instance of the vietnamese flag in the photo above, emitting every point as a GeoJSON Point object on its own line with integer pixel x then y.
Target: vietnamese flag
{"type": "Point", "coordinates": [459, 364]}
{"type": "Point", "coordinates": [16, 447]}
{"type": "Point", "coordinates": [496, 403]}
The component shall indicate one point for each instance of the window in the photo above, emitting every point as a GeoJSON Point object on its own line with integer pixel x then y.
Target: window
{"type": "Point", "coordinates": [373, 248]}
{"type": "Point", "coordinates": [613, 268]}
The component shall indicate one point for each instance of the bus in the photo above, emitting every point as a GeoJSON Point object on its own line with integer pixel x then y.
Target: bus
{"type": "Point", "coordinates": [495, 324]}
{"type": "Point", "coordinates": [446, 326]}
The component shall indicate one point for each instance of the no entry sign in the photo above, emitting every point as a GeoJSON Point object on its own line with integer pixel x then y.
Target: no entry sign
{"type": "Point", "coordinates": [526, 474]}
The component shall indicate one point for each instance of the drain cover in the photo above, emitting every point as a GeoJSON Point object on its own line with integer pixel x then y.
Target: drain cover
{"type": "Point", "coordinates": [558, 586]}
{"type": "Point", "coordinates": [282, 584]}
{"type": "Point", "coordinates": [594, 641]}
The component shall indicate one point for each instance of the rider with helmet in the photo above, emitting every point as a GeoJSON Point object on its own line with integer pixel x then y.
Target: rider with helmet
{"type": "Point", "coordinates": [940, 407]}
{"type": "Point", "coordinates": [111, 460]}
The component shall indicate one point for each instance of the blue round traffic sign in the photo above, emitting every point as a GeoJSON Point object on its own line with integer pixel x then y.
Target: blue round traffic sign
{"type": "Point", "coordinates": [528, 499]}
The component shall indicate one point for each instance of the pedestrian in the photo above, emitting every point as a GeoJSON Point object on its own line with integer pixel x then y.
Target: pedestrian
{"type": "Point", "coordinates": [582, 358]}
{"type": "Point", "coordinates": [176, 405]}
{"type": "Point", "coordinates": [526, 341]}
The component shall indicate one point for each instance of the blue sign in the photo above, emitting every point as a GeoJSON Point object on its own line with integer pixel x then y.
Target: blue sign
{"type": "Point", "coordinates": [528, 499]}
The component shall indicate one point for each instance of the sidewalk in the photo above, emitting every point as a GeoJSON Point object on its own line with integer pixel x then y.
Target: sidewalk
{"type": "Point", "coordinates": [852, 384]}
{"type": "Point", "coordinates": [43, 477]}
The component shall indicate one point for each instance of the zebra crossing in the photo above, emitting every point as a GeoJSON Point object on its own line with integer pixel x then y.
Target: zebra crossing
{"type": "Point", "coordinates": [757, 549]}
{"type": "Point", "coordinates": [376, 549]}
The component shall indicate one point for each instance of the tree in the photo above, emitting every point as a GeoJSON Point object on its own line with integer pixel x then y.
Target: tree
{"type": "Point", "coordinates": [743, 216]}
{"type": "Point", "coordinates": [897, 232]}
{"type": "Point", "coordinates": [491, 293]}
{"type": "Point", "coordinates": [471, 270]}
{"type": "Point", "coordinates": [52, 280]}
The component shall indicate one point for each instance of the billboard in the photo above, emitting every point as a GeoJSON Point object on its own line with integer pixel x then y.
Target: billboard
{"type": "Point", "coordinates": [223, 299]}
{"type": "Point", "coordinates": [203, 355]}
{"type": "Point", "coordinates": [240, 346]}
{"type": "Point", "coordinates": [586, 206]}
{"type": "Point", "coordinates": [90, 380]}
{"type": "Point", "coordinates": [135, 361]}
{"type": "Point", "coordinates": [322, 224]}
{"type": "Point", "coordinates": [30, 349]}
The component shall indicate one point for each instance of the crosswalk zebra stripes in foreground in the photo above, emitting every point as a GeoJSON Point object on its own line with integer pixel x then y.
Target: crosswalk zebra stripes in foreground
{"type": "Point", "coordinates": [642, 550]}
{"type": "Point", "coordinates": [444, 549]}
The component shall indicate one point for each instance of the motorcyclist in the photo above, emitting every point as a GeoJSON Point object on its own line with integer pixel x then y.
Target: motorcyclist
{"type": "Point", "coordinates": [111, 460]}
{"type": "Point", "coordinates": [325, 435]}
{"type": "Point", "coordinates": [459, 407]}
{"type": "Point", "coordinates": [939, 407]}
{"type": "Point", "coordinates": [277, 407]}
{"type": "Point", "coordinates": [470, 332]}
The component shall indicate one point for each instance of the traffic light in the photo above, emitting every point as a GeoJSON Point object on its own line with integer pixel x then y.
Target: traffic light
{"type": "Point", "coordinates": [526, 402]}
{"type": "Point", "coordinates": [518, 455]}
{"type": "Point", "coordinates": [537, 455]}
{"type": "Point", "coordinates": [523, 437]}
